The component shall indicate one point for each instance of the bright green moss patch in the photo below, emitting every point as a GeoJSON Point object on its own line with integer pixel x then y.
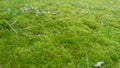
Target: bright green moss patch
{"type": "Point", "coordinates": [59, 34]}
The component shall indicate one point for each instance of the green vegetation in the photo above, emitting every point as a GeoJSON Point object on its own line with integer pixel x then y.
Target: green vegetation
{"type": "Point", "coordinates": [59, 33]}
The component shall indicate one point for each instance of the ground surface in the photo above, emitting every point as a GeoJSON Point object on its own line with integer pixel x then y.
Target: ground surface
{"type": "Point", "coordinates": [59, 33]}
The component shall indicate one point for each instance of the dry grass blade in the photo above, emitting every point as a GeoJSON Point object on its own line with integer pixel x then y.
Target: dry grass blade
{"type": "Point", "coordinates": [11, 27]}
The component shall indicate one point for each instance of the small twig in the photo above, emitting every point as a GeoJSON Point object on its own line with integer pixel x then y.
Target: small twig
{"type": "Point", "coordinates": [11, 26]}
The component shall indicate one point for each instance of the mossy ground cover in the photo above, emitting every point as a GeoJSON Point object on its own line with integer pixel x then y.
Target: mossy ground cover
{"type": "Point", "coordinates": [59, 33]}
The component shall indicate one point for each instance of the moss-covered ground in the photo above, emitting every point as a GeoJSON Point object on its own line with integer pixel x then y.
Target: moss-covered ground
{"type": "Point", "coordinates": [59, 33]}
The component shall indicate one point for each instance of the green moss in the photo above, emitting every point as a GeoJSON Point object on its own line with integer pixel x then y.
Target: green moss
{"type": "Point", "coordinates": [59, 34]}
